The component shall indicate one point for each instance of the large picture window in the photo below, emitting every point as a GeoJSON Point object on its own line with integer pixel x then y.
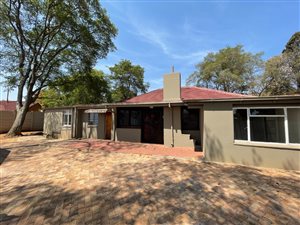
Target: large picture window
{"type": "Point", "coordinates": [129, 118]}
{"type": "Point", "coordinates": [189, 119]}
{"type": "Point", "coordinates": [274, 125]}
{"type": "Point", "coordinates": [67, 118]}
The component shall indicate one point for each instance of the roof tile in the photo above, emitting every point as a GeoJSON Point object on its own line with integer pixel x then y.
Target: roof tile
{"type": "Point", "coordinates": [187, 93]}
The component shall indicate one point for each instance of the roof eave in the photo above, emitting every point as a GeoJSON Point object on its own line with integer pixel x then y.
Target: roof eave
{"type": "Point", "coordinates": [247, 99]}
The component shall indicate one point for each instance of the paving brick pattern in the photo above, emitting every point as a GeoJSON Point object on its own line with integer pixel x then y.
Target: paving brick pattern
{"type": "Point", "coordinates": [53, 182]}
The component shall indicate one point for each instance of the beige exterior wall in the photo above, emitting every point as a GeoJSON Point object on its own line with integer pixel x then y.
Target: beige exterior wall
{"type": "Point", "coordinates": [53, 125]}
{"type": "Point", "coordinates": [218, 135]}
{"type": "Point", "coordinates": [128, 134]}
{"type": "Point", "coordinates": [52, 122]}
{"type": "Point", "coordinates": [33, 121]}
{"type": "Point", "coordinates": [93, 131]}
{"type": "Point", "coordinates": [174, 134]}
{"type": "Point", "coordinates": [66, 133]}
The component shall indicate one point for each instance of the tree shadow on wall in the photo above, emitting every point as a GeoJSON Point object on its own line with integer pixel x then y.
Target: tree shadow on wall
{"type": "Point", "coordinates": [213, 146]}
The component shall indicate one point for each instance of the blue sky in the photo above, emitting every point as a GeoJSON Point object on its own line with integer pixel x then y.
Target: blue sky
{"type": "Point", "coordinates": [158, 34]}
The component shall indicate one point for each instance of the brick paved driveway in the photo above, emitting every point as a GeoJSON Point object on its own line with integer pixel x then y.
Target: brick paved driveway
{"type": "Point", "coordinates": [48, 182]}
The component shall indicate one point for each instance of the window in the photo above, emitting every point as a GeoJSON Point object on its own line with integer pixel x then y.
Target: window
{"type": "Point", "coordinates": [240, 124]}
{"type": "Point", "coordinates": [93, 118]}
{"type": "Point", "coordinates": [189, 119]}
{"type": "Point", "coordinates": [67, 118]}
{"type": "Point", "coordinates": [275, 125]}
{"type": "Point", "coordinates": [129, 118]}
{"type": "Point", "coordinates": [135, 118]}
{"type": "Point", "coordinates": [267, 125]}
{"type": "Point", "coordinates": [293, 115]}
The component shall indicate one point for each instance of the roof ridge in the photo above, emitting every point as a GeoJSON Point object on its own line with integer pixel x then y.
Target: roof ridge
{"type": "Point", "coordinates": [215, 90]}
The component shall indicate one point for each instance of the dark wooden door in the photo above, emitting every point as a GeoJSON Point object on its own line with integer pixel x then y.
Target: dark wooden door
{"type": "Point", "coordinates": [108, 125]}
{"type": "Point", "coordinates": [152, 128]}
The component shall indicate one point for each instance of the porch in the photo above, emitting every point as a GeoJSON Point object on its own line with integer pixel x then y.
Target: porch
{"type": "Point", "coordinates": [174, 126]}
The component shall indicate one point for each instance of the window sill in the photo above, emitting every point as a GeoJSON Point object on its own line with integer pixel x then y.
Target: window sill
{"type": "Point", "coordinates": [267, 145]}
{"type": "Point", "coordinates": [128, 127]}
{"type": "Point", "coordinates": [66, 127]}
{"type": "Point", "coordinates": [91, 125]}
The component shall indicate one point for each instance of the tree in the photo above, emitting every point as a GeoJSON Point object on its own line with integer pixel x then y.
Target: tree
{"type": "Point", "coordinates": [128, 80]}
{"type": "Point", "coordinates": [230, 69]}
{"type": "Point", "coordinates": [91, 88]}
{"type": "Point", "coordinates": [277, 78]}
{"type": "Point", "coordinates": [44, 39]}
{"type": "Point", "coordinates": [282, 72]}
{"type": "Point", "coordinates": [291, 54]}
{"type": "Point", "coordinates": [10, 85]}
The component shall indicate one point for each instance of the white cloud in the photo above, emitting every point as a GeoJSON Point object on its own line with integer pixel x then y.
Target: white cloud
{"type": "Point", "coordinates": [160, 40]}
{"type": "Point", "coordinates": [176, 46]}
{"type": "Point", "coordinates": [163, 40]}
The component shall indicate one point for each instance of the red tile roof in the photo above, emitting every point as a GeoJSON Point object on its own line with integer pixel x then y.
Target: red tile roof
{"type": "Point", "coordinates": [11, 106]}
{"type": "Point", "coordinates": [8, 105]}
{"type": "Point", "coordinates": [187, 93]}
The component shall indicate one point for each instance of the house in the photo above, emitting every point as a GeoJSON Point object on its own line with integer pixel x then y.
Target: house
{"type": "Point", "coordinates": [11, 106]}
{"type": "Point", "coordinates": [227, 127]}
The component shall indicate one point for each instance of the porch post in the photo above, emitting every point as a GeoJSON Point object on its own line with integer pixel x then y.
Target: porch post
{"type": "Point", "coordinates": [113, 127]}
{"type": "Point", "coordinates": [74, 123]}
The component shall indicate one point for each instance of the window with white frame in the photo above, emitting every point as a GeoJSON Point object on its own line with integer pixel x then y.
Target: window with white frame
{"type": "Point", "coordinates": [93, 118]}
{"type": "Point", "coordinates": [67, 118]}
{"type": "Point", "coordinates": [272, 125]}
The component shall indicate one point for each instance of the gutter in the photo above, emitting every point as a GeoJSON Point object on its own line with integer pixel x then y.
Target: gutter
{"type": "Point", "coordinates": [246, 99]}
{"type": "Point", "coordinates": [172, 126]}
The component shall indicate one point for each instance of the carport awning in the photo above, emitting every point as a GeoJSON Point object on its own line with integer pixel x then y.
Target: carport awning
{"type": "Point", "coordinates": [96, 111]}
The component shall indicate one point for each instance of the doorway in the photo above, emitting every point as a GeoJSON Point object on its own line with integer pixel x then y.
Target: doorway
{"type": "Point", "coordinates": [108, 121]}
{"type": "Point", "coordinates": [152, 128]}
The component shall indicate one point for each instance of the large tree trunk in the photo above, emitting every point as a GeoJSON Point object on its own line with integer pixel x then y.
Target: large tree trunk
{"type": "Point", "coordinates": [16, 128]}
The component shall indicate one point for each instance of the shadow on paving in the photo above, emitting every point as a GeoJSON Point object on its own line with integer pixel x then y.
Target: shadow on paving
{"type": "Point", "coordinates": [104, 145]}
{"type": "Point", "coordinates": [3, 155]}
{"type": "Point", "coordinates": [148, 193]}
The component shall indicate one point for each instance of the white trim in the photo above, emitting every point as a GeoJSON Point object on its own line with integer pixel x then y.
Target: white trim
{"type": "Point", "coordinates": [265, 107]}
{"type": "Point", "coordinates": [286, 127]}
{"type": "Point", "coordinates": [69, 118]}
{"type": "Point", "coordinates": [266, 115]}
{"type": "Point", "coordinates": [267, 144]}
{"type": "Point", "coordinates": [248, 125]}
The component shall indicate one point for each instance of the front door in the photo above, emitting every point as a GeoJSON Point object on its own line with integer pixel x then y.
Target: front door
{"type": "Point", "coordinates": [108, 125]}
{"type": "Point", "coordinates": [152, 128]}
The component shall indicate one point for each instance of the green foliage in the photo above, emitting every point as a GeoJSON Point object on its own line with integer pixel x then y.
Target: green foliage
{"type": "Point", "coordinates": [128, 80]}
{"type": "Point", "coordinates": [293, 45]}
{"type": "Point", "coordinates": [9, 84]}
{"type": "Point", "coordinates": [277, 78]}
{"type": "Point", "coordinates": [41, 40]}
{"type": "Point", "coordinates": [91, 88]}
{"type": "Point", "coordinates": [230, 69]}
{"type": "Point", "coordinates": [292, 57]}
{"type": "Point", "coordinates": [282, 73]}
